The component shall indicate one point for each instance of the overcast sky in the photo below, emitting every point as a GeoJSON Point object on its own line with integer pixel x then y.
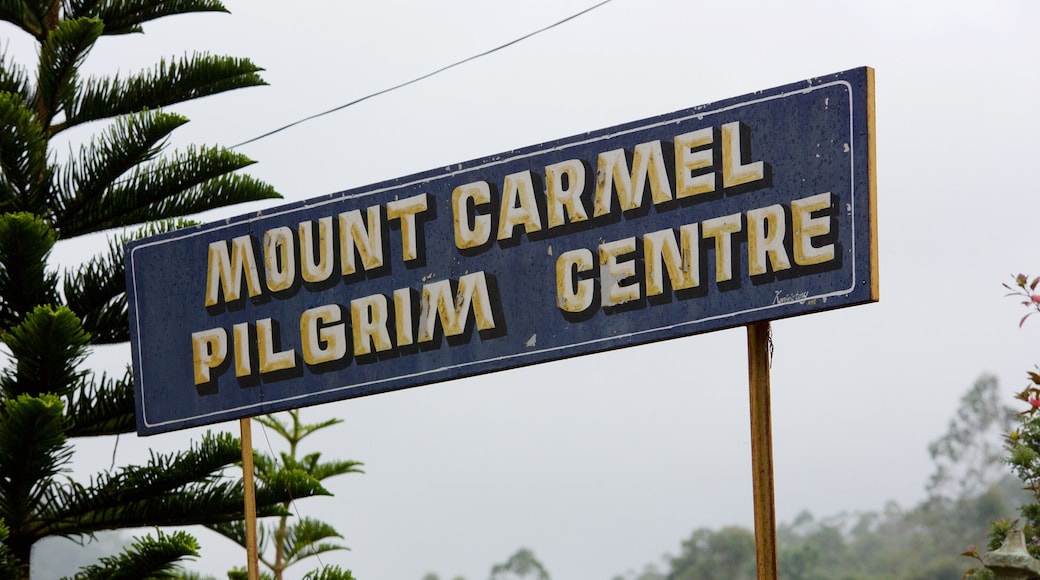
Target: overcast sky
{"type": "Point", "coordinates": [603, 463]}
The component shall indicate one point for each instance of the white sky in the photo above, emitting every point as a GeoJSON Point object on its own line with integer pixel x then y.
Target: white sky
{"type": "Point", "coordinates": [604, 463]}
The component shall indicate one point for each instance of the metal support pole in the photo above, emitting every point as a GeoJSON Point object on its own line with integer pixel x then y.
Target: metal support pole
{"type": "Point", "coordinates": [762, 450]}
{"type": "Point", "coordinates": [252, 565]}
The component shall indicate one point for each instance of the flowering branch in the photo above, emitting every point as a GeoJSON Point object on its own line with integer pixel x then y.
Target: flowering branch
{"type": "Point", "coordinates": [1023, 287]}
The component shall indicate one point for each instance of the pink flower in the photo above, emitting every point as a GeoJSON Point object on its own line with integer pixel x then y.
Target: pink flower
{"type": "Point", "coordinates": [1035, 298]}
{"type": "Point", "coordinates": [1034, 401]}
{"type": "Point", "coordinates": [1021, 279]}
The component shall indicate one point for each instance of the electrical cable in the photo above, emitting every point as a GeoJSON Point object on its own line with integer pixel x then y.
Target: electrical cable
{"type": "Point", "coordinates": [423, 77]}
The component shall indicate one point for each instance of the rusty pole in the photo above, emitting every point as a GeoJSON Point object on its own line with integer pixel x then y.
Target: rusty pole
{"type": "Point", "coordinates": [762, 450]}
{"type": "Point", "coordinates": [252, 564]}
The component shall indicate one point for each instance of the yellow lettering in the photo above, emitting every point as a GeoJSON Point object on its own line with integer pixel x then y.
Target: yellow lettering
{"type": "Point", "coordinates": [271, 361]}
{"type": "Point", "coordinates": [453, 312]}
{"type": "Point", "coordinates": [518, 206]}
{"type": "Point", "coordinates": [766, 230]}
{"type": "Point", "coordinates": [226, 271]}
{"type": "Point", "coordinates": [279, 259]}
{"type": "Point", "coordinates": [321, 269]}
{"type": "Point", "coordinates": [208, 351]}
{"type": "Point", "coordinates": [807, 227]}
{"type": "Point", "coordinates": [734, 172]}
{"type": "Point", "coordinates": [682, 265]}
{"type": "Point", "coordinates": [722, 230]}
{"type": "Point", "coordinates": [367, 241]}
{"type": "Point", "coordinates": [406, 210]}
{"type": "Point", "coordinates": [564, 202]}
{"type": "Point", "coordinates": [322, 336]}
{"type": "Point", "coordinates": [693, 153]}
{"type": "Point", "coordinates": [470, 231]}
{"type": "Point", "coordinates": [571, 296]}
{"type": "Point", "coordinates": [368, 318]}
{"type": "Point", "coordinates": [612, 272]}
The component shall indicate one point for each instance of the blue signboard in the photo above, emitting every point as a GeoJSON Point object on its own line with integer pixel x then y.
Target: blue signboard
{"type": "Point", "coordinates": [753, 208]}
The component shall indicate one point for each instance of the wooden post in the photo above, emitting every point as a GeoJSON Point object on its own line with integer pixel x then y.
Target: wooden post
{"type": "Point", "coordinates": [762, 450]}
{"type": "Point", "coordinates": [252, 565]}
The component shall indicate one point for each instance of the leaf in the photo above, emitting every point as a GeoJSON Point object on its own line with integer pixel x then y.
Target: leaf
{"type": "Point", "coordinates": [193, 181]}
{"type": "Point", "coordinates": [332, 572]}
{"type": "Point", "coordinates": [127, 17]}
{"type": "Point", "coordinates": [96, 291]}
{"type": "Point", "coordinates": [14, 78]}
{"type": "Point", "coordinates": [147, 557]}
{"type": "Point", "coordinates": [22, 15]}
{"type": "Point", "coordinates": [23, 158]}
{"type": "Point", "coordinates": [1023, 321]}
{"type": "Point", "coordinates": [47, 346]}
{"type": "Point", "coordinates": [102, 406]}
{"type": "Point", "coordinates": [128, 142]}
{"type": "Point", "coordinates": [26, 242]}
{"type": "Point", "coordinates": [190, 77]}
{"type": "Point", "coordinates": [32, 451]}
{"type": "Point", "coordinates": [61, 54]}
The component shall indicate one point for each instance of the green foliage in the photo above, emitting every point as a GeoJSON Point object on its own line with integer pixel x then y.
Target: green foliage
{"type": "Point", "coordinates": [329, 573]}
{"type": "Point", "coordinates": [709, 555]}
{"type": "Point", "coordinates": [922, 543]}
{"type": "Point", "coordinates": [146, 558]}
{"type": "Point", "coordinates": [285, 544]}
{"type": "Point", "coordinates": [926, 542]}
{"type": "Point", "coordinates": [25, 243]}
{"type": "Point", "coordinates": [969, 457]}
{"type": "Point", "coordinates": [121, 177]}
{"type": "Point", "coordinates": [522, 564]}
{"type": "Point", "coordinates": [1022, 444]}
{"type": "Point", "coordinates": [7, 561]}
{"type": "Point", "coordinates": [48, 346]}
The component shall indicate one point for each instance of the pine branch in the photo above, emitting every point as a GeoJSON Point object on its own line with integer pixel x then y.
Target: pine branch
{"type": "Point", "coordinates": [25, 243]}
{"type": "Point", "coordinates": [8, 564]}
{"type": "Point", "coordinates": [126, 16]}
{"type": "Point", "coordinates": [25, 15]}
{"type": "Point", "coordinates": [32, 451]}
{"type": "Point", "coordinates": [61, 54]}
{"type": "Point", "coordinates": [47, 346]}
{"type": "Point", "coordinates": [321, 471]}
{"type": "Point", "coordinates": [23, 158]}
{"type": "Point", "coordinates": [14, 78]}
{"type": "Point", "coordinates": [217, 192]}
{"type": "Point", "coordinates": [96, 291]}
{"type": "Point", "coordinates": [191, 182]}
{"type": "Point", "coordinates": [294, 430]}
{"type": "Point", "coordinates": [147, 558]}
{"type": "Point", "coordinates": [176, 489]}
{"type": "Point", "coordinates": [102, 406]}
{"type": "Point", "coordinates": [128, 142]}
{"type": "Point", "coordinates": [193, 77]}
{"type": "Point", "coordinates": [329, 573]}
{"type": "Point", "coordinates": [305, 539]}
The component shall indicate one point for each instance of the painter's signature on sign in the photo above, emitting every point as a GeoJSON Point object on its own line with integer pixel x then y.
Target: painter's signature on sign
{"type": "Point", "coordinates": [783, 298]}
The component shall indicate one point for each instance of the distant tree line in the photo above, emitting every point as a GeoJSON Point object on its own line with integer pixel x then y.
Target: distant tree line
{"type": "Point", "coordinates": [969, 489]}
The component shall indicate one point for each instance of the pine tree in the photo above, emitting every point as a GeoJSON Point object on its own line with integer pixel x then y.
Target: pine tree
{"type": "Point", "coordinates": [286, 543]}
{"type": "Point", "coordinates": [120, 182]}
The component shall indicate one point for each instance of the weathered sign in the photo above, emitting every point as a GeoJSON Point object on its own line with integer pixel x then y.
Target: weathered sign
{"type": "Point", "coordinates": [753, 208]}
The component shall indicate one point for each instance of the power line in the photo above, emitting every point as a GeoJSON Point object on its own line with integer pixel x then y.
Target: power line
{"type": "Point", "coordinates": [425, 76]}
